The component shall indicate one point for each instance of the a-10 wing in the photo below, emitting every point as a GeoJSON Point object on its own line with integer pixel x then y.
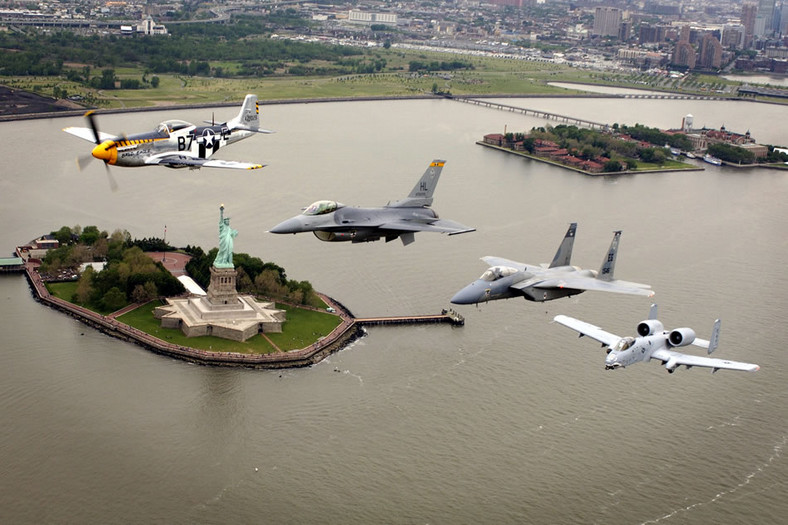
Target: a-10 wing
{"type": "Point", "coordinates": [180, 160]}
{"type": "Point", "coordinates": [594, 332]}
{"type": "Point", "coordinates": [674, 359]}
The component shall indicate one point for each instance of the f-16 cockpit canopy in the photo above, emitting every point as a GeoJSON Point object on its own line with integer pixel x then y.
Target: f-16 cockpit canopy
{"type": "Point", "coordinates": [170, 126]}
{"type": "Point", "coordinates": [497, 272]}
{"type": "Point", "coordinates": [623, 343]}
{"type": "Point", "coordinates": [322, 207]}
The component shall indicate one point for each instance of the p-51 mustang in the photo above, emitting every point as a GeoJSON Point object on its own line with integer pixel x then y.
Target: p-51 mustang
{"type": "Point", "coordinates": [331, 221]}
{"type": "Point", "coordinates": [654, 342]}
{"type": "Point", "coordinates": [505, 279]}
{"type": "Point", "coordinates": [175, 143]}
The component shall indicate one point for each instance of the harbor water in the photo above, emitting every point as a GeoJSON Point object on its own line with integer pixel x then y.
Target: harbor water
{"type": "Point", "coordinates": [508, 419]}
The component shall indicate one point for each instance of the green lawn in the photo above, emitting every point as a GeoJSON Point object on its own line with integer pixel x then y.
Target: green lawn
{"type": "Point", "coordinates": [302, 328]}
{"type": "Point", "coordinates": [66, 291]}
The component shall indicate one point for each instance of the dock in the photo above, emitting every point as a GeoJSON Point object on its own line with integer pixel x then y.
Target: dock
{"type": "Point", "coordinates": [446, 316]}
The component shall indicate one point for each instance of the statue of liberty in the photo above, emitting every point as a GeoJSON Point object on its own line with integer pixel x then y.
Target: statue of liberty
{"type": "Point", "coordinates": [224, 259]}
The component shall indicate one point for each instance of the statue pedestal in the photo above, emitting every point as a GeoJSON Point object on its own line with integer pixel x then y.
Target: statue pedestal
{"type": "Point", "coordinates": [221, 290]}
{"type": "Point", "coordinates": [222, 313]}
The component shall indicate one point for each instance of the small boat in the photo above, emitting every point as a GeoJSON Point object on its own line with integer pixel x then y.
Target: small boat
{"type": "Point", "coordinates": [675, 152]}
{"type": "Point", "coordinates": [689, 155]}
{"type": "Point", "coordinates": [712, 160]}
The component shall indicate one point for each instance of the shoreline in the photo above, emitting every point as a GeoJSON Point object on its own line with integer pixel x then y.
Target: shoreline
{"type": "Point", "coordinates": [369, 98]}
{"type": "Point", "coordinates": [583, 172]}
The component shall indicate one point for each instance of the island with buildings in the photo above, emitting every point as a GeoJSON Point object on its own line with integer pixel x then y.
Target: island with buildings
{"type": "Point", "coordinates": [142, 291]}
{"type": "Point", "coordinates": [634, 149]}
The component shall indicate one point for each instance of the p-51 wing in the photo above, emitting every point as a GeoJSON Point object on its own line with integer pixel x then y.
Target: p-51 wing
{"type": "Point", "coordinates": [594, 332]}
{"type": "Point", "coordinates": [673, 359]}
{"type": "Point", "coordinates": [179, 161]}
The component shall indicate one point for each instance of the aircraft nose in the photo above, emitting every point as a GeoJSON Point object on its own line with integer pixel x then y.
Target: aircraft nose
{"type": "Point", "coordinates": [293, 225]}
{"type": "Point", "coordinates": [471, 294]}
{"type": "Point", "coordinates": [104, 151]}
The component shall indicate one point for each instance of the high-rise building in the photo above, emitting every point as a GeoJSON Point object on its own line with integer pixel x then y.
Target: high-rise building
{"type": "Point", "coordinates": [748, 12]}
{"type": "Point", "coordinates": [764, 19]}
{"type": "Point", "coordinates": [607, 21]}
{"type": "Point", "coordinates": [733, 36]}
{"type": "Point", "coordinates": [710, 52]}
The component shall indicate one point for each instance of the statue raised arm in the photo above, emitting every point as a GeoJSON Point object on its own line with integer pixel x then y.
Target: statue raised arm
{"type": "Point", "coordinates": [224, 259]}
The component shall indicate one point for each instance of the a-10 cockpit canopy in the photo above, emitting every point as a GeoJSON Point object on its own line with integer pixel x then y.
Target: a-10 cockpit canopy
{"type": "Point", "coordinates": [497, 272]}
{"type": "Point", "coordinates": [623, 343]}
{"type": "Point", "coordinates": [170, 126]}
{"type": "Point", "coordinates": [322, 207]}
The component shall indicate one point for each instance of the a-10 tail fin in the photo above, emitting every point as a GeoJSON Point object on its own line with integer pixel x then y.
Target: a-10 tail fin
{"type": "Point", "coordinates": [421, 194]}
{"type": "Point", "coordinates": [563, 256]}
{"type": "Point", "coordinates": [609, 264]}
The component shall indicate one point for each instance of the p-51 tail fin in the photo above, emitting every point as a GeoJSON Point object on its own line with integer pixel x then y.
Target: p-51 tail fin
{"type": "Point", "coordinates": [609, 264]}
{"type": "Point", "coordinates": [564, 254]}
{"type": "Point", "coordinates": [248, 119]}
{"type": "Point", "coordinates": [421, 194]}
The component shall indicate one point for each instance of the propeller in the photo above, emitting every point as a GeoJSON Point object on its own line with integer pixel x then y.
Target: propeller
{"type": "Point", "coordinates": [92, 121]}
{"type": "Point", "coordinates": [84, 160]}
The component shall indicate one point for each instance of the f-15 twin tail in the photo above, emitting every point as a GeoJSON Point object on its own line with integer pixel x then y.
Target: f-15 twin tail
{"type": "Point", "coordinates": [505, 279]}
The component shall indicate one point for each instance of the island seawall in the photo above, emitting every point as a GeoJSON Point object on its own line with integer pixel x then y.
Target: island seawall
{"type": "Point", "coordinates": [341, 336]}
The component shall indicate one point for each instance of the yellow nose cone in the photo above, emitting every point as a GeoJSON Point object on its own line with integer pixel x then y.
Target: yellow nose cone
{"type": "Point", "coordinates": [104, 151]}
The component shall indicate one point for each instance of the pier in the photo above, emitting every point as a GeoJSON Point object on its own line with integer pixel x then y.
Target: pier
{"type": "Point", "coordinates": [447, 316]}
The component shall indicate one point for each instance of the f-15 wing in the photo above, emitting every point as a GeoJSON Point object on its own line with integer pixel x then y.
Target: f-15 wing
{"type": "Point", "coordinates": [672, 359]}
{"type": "Point", "coordinates": [589, 283]}
{"type": "Point", "coordinates": [594, 332]}
{"type": "Point", "coordinates": [182, 161]}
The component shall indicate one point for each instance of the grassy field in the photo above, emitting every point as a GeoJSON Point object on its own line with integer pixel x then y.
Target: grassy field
{"type": "Point", "coordinates": [303, 327]}
{"type": "Point", "coordinates": [66, 291]}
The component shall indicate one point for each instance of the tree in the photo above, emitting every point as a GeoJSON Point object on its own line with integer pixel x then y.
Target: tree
{"type": "Point", "coordinates": [84, 286]}
{"type": "Point", "coordinates": [154, 82]}
{"type": "Point", "coordinates": [114, 299]}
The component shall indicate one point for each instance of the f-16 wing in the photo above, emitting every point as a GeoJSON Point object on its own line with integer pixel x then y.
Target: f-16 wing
{"type": "Point", "coordinates": [594, 332]}
{"type": "Point", "coordinates": [673, 359]}
{"type": "Point", "coordinates": [180, 161]}
{"type": "Point", "coordinates": [589, 283]}
{"type": "Point", "coordinates": [440, 226]}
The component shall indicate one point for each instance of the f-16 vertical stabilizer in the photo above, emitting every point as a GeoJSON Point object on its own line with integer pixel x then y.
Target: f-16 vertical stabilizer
{"type": "Point", "coordinates": [421, 194]}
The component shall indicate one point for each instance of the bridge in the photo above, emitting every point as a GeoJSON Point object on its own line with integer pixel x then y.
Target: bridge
{"type": "Point", "coordinates": [574, 120]}
{"type": "Point", "coordinates": [534, 112]}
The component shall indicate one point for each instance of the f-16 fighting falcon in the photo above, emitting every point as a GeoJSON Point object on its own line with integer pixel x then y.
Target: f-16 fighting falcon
{"type": "Point", "coordinates": [505, 279]}
{"type": "Point", "coordinates": [332, 221]}
{"type": "Point", "coordinates": [654, 342]}
{"type": "Point", "coordinates": [174, 143]}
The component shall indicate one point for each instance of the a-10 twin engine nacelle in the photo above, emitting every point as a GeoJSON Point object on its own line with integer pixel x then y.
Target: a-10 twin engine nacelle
{"type": "Point", "coordinates": [650, 327]}
{"type": "Point", "coordinates": [681, 337]}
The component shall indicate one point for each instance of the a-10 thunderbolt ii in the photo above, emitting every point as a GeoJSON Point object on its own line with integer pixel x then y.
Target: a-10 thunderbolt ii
{"type": "Point", "coordinates": [332, 221]}
{"type": "Point", "coordinates": [654, 342]}
{"type": "Point", "coordinates": [174, 143]}
{"type": "Point", "coordinates": [506, 279]}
